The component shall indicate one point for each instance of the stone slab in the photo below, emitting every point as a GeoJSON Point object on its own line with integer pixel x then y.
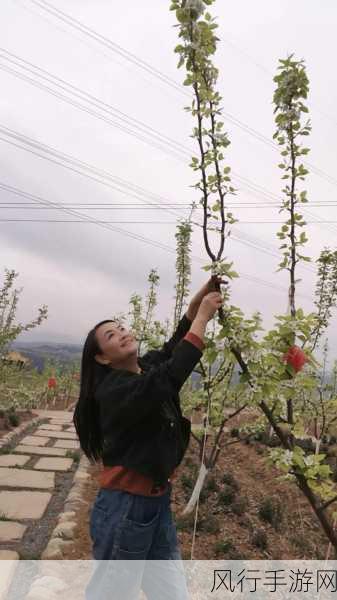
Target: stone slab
{"type": "Point", "coordinates": [54, 464]}
{"type": "Point", "coordinates": [8, 563]}
{"type": "Point", "coordinates": [24, 505]}
{"type": "Point", "coordinates": [31, 440]}
{"type": "Point", "coordinates": [37, 450]}
{"type": "Point", "coordinates": [11, 531]}
{"type": "Point", "coordinates": [11, 460]}
{"type": "Point", "coordinates": [53, 414]}
{"type": "Point", "coordinates": [71, 429]}
{"type": "Point", "coordinates": [51, 427]}
{"type": "Point", "coordinates": [64, 435]}
{"type": "Point", "coordinates": [26, 478]}
{"type": "Point", "coordinates": [70, 444]}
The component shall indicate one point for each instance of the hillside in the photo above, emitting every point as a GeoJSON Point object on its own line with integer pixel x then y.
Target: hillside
{"type": "Point", "coordinates": [39, 353]}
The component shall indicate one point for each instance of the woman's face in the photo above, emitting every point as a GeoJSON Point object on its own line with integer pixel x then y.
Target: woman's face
{"type": "Point", "coordinates": [117, 344]}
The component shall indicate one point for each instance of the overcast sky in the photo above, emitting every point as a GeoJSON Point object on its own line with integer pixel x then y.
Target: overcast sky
{"type": "Point", "coordinates": [111, 122]}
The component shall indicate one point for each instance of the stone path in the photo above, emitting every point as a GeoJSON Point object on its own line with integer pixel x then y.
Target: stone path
{"type": "Point", "coordinates": [27, 478]}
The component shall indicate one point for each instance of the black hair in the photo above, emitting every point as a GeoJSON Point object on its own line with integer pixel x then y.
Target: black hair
{"type": "Point", "coordinates": [86, 414]}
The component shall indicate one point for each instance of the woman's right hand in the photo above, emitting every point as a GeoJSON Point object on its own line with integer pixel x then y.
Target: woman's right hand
{"type": "Point", "coordinates": [209, 305]}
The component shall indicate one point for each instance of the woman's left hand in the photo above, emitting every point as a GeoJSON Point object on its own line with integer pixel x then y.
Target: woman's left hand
{"type": "Point", "coordinates": [196, 300]}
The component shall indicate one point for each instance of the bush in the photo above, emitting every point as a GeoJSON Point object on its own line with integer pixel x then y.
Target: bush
{"type": "Point", "coordinates": [259, 539]}
{"type": "Point", "coordinates": [186, 482]}
{"type": "Point", "coordinates": [14, 419]}
{"type": "Point", "coordinates": [188, 461]}
{"type": "Point", "coordinates": [211, 485]}
{"type": "Point", "coordinates": [209, 524]}
{"type": "Point", "coordinates": [185, 523]}
{"type": "Point", "coordinates": [203, 495]}
{"type": "Point", "coordinates": [231, 481]}
{"type": "Point", "coordinates": [240, 505]}
{"type": "Point", "coordinates": [334, 474]}
{"type": "Point", "coordinates": [235, 432]}
{"type": "Point", "coordinates": [223, 547]}
{"type": "Point", "coordinates": [226, 496]}
{"type": "Point", "coordinates": [74, 454]}
{"type": "Point", "coordinates": [271, 511]}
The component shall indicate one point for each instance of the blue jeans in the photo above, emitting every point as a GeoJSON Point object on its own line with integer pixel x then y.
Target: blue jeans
{"type": "Point", "coordinates": [126, 527]}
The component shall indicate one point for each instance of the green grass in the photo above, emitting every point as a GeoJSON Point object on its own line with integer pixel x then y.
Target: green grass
{"type": "Point", "coordinates": [3, 517]}
{"type": "Point", "coordinates": [74, 454]}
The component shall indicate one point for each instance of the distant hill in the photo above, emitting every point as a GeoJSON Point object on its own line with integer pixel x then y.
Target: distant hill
{"type": "Point", "coordinates": [39, 353]}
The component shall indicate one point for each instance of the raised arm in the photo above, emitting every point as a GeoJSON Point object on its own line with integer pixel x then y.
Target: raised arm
{"type": "Point", "coordinates": [125, 398]}
{"type": "Point", "coordinates": [156, 357]}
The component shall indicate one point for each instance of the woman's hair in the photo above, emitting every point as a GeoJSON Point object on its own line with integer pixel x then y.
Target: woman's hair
{"type": "Point", "coordinates": [86, 414]}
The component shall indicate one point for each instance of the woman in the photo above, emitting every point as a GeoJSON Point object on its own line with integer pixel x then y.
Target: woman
{"type": "Point", "coordinates": [129, 416]}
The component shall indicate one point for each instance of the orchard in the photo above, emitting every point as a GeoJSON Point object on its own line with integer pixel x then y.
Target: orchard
{"type": "Point", "coordinates": [274, 381]}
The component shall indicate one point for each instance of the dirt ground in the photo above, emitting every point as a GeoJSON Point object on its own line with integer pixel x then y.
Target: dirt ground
{"type": "Point", "coordinates": [229, 525]}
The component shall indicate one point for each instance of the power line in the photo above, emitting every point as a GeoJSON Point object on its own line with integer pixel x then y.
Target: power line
{"type": "Point", "coordinates": [28, 206]}
{"type": "Point", "coordinates": [242, 238]}
{"type": "Point", "coordinates": [176, 206]}
{"type": "Point", "coordinates": [40, 200]}
{"type": "Point", "coordinates": [255, 187]}
{"type": "Point", "coordinates": [84, 95]}
{"type": "Point", "coordinates": [80, 167]}
{"type": "Point", "coordinates": [158, 74]}
{"type": "Point", "coordinates": [96, 222]}
{"type": "Point", "coordinates": [152, 142]}
{"type": "Point", "coordinates": [112, 46]}
{"type": "Point", "coordinates": [140, 222]}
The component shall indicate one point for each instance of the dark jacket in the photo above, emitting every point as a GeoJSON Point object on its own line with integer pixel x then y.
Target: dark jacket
{"type": "Point", "coordinates": [140, 415]}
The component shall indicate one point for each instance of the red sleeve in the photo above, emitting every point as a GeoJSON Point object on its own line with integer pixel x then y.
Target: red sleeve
{"type": "Point", "coordinates": [195, 340]}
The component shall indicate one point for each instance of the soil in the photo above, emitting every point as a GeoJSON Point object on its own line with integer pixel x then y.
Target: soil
{"type": "Point", "coordinates": [229, 525]}
{"type": "Point", "coordinates": [24, 416]}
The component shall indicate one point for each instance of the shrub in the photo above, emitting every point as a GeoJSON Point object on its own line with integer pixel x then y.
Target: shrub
{"type": "Point", "coordinates": [240, 505]}
{"type": "Point", "coordinates": [211, 485]}
{"type": "Point", "coordinates": [226, 496]}
{"type": "Point", "coordinates": [271, 511]}
{"type": "Point", "coordinates": [188, 461]}
{"type": "Point", "coordinates": [235, 432]}
{"type": "Point", "coordinates": [186, 482]}
{"type": "Point", "coordinates": [259, 539]}
{"type": "Point", "coordinates": [14, 419]}
{"type": "Point", "coordinates": [185, 523]}
{"type": "Point", "coordinates": [203, 495]}
{"type": "Point", "coordinates": [230, 480]}
{"type": "Point", "coordinates": [74, 454]}
{"type": "Point", "coordinates": [334, 475]}
{"type": "Point", "coordinates": [209, 524]}
{"type": "Point", "coordinates": [223, 547]}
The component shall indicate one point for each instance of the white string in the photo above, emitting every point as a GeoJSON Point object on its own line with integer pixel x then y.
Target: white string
{"type": "Point", "coordinates": [202, 462]}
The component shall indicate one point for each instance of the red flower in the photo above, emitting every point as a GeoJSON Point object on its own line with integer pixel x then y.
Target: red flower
{"type": "Point", "coordinates": [51, 382]}
{"type": "Point", "coordinates": [296, 358]}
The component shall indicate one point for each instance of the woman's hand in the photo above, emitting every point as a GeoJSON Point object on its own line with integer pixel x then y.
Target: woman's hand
{"type": "Point", "coordinates": [209, 305]}
{"type": "Point", "coordinates": [196, 300]}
